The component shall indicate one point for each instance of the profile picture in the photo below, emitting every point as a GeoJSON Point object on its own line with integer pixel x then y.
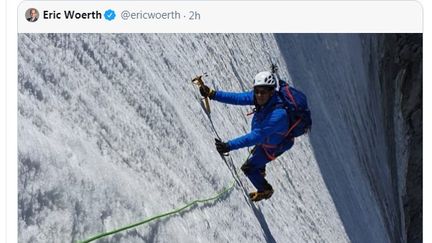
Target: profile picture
{"type": "Point", "coordinates": [32, 15]}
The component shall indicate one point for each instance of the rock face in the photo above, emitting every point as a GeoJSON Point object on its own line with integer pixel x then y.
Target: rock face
{"type": "Point", "coordinates": [400, 72]}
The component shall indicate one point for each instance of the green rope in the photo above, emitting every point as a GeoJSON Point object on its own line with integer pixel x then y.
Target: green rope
{"type": "Point", "coordinates": [218, 195]}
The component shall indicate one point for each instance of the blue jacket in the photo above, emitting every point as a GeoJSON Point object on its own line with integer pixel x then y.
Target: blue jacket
{"type": "Point", "coordinates": [269, 123]}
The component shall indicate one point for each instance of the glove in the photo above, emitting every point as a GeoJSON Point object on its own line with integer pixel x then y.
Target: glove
{"type": "Point", "coordinates": [221, 147]}
{"type": "Point", "coordinates": [206, 92]}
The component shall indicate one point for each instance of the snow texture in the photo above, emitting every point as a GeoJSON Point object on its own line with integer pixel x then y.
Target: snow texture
{"type": "Point", "coordinates": [111, 131]}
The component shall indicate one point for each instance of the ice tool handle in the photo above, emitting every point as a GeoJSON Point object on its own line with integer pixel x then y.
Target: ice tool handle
{"type": "Point", "coordinates": [274, 69]}
{"type": "Point", "coordinates": [198, 80]}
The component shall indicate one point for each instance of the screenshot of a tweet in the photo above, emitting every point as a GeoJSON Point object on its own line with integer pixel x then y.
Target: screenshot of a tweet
{"type": "Point", "coordinates": [216, 121]}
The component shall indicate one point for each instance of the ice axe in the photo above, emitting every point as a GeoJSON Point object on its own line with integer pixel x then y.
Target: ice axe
{"type": "Point", "coordinates": [274, 70]}
{"type": "Point", "coordinates": [198, 80]}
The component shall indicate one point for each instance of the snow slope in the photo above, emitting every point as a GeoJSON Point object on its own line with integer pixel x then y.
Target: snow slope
{"type": "Point", "coordinates": [111, 132]}
{"type": "Point", "coordinates": [350, 142]}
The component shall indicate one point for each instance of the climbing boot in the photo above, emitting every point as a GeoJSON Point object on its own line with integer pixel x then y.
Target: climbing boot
{"type": "Point", "coordinates": [260, 195]}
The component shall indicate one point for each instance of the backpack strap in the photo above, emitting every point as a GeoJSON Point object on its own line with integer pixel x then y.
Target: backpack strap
{"type": "Point", "coordinates": [291, 97]}
{"type": "Point", "coordinates": [287, 134]}
{"type": "Point", "coordinates": [292, 121]}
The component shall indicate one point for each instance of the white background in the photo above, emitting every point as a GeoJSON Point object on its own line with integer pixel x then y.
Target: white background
{"type": "Point", "coordinates": [260, 17]}
{"type": "Point", "coordinates": [8, 65]}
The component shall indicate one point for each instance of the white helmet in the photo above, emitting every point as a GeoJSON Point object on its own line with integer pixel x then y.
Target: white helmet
{"type": "Point", "coordinates": [264, 78]}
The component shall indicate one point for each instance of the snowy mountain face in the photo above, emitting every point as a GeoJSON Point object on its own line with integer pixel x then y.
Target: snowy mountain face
{"type": "Point", "coordinates": [350, 143]}
{"type": "Point", "coordinates": [111, 131]}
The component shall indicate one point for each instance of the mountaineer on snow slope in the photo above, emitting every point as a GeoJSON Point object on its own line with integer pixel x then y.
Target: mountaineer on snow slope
{"type": "Point", "coordinates": [280, 115]}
